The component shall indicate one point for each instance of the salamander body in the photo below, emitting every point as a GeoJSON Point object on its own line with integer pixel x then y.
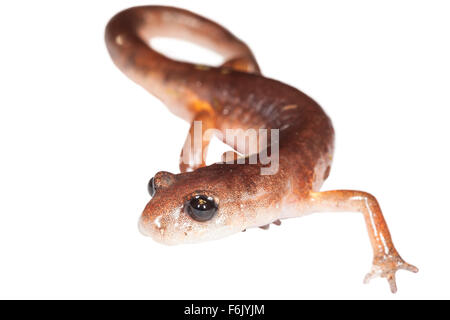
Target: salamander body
{"type": "Point", "coordinates": [244, 190]}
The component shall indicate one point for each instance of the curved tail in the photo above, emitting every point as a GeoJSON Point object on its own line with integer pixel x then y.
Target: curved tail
{"type": "Point", "coordinates": [128, 34]}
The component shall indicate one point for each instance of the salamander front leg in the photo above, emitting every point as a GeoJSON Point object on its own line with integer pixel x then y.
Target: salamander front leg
{"type": "Point", "coordinates": [193, 154]}
{"type": "Point", "coordinates": [386, 259]}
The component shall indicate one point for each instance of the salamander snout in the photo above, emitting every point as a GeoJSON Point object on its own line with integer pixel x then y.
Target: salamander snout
{"type": "Point", "coordinates": [157, 218]}
{"type": "Point", "coordinates": [153, 227]}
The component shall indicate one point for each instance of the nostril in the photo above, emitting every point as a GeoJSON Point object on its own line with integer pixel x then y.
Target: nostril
{"type": "Point", "coordinates": [157, 222]}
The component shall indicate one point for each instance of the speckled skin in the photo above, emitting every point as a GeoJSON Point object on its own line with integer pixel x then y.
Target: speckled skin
{"type": "Point", "coordinates": [236, 95]}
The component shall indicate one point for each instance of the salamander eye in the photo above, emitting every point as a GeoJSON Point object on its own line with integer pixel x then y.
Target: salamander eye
{"type": "Point", "coordinates": [161, 180]}
{"type": "Point", "coordinates": [201, 208]}
{"type": "Point", "coordinates": [151, 187]}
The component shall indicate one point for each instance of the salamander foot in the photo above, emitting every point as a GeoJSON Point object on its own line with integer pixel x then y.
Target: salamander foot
{"type": "Point", "coordinates": [386, 266]}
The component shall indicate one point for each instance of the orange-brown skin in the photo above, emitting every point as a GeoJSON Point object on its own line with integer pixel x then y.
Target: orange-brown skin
{"type": "Point", "coordinates": [236, 95]}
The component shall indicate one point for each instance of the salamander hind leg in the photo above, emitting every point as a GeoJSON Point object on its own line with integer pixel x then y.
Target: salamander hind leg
{"type": "Point", "coordinates": [386, 260]}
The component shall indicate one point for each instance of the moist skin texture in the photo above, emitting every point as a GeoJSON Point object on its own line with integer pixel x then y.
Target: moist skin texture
{"type": "Point", "coordinates": [236, 96]}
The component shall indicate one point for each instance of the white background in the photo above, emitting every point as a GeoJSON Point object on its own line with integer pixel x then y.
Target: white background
{"type": "Point", "coordinates": [79, 141]}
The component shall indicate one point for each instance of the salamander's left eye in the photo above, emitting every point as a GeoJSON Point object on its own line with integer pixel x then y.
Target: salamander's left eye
{"type": "Point", "coordinates": [201, 208]}
{"type": "Point", "coordinates": [161, 180]}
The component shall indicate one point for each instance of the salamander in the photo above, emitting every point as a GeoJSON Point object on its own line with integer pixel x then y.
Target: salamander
{"type": "Point", "coordinates": [209, 202]}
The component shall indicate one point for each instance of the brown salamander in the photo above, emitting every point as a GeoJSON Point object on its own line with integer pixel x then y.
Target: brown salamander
{"type": "Point", "coordinates": [209, 202]}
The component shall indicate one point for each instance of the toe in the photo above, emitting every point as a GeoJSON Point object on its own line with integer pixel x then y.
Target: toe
{"type": "Point", "coordinates": [372, 274]}
{"type": "Point", "coordinates": [392, 283]}
{"type": "Point", "coordinates": [409, 267]}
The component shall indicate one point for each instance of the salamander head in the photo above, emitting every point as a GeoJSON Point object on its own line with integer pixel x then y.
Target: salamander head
{"type": "Point", "coordinates": [197, 206]}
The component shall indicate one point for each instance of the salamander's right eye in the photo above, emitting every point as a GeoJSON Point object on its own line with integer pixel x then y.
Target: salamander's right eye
{"type": "Point", "coordinates": [151, 187]}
